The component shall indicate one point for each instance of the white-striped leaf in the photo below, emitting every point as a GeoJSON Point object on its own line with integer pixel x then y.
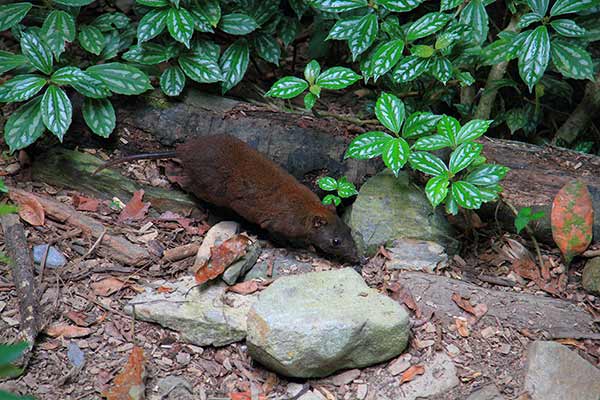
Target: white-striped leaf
{"type": "Point", "coordinates": [395, 154]}
{"type": "Point", "coordinates": [363, 35]}
{"type": "Point", "coordinates": [234, 63]}
{"type": "Point", "coordinates": [57, 111]}
{"type": "Point", "coordinates": [211, 10]}
{"type": "Point", "coordinates": [466, 195]}
{"type": "Point", "coordinates": [338, 6]}
{"type": "Point", "coordinates": [337, 78]}
{"type": "Point", "coordinates": [446, 5]}
{"type": "Point", "coordinates": [572, 61]}
{"type": "Point", "coordinates": [410, 68]}
{"type": "Point", "coordinates": [99, 115]}
{"type": "Point", "coordinates": [448, 127]}
{"type": "Point", "coordinates": [463, 156]}
{"type": "Point", "coordinates": [37, 52]}
{"type": "Point", "coordinates": [201, 23]}
{"type": "Point", "coordinates": [153, 3]}
{"type": "Point", "coordinates": [427, 163]}
{"type": "Point", "coordinates": [571, 6]}
{"type": "Point", "coordinates": [172, 81]}
{"type": "Point", "coordinates": [21, 88]}
{"type": "Point", "coordinates": [441, 69]}
{"type": "Point", "coordinates": [9, 61]}
{"type": "Point", "coordinates": [267, 48]}
{"type": "Point", "coordinates": [389, 110]}
{"type": "Point", "coordinates": [299, 7]}
{"type": "Point", "coordinates": [475, 16]}
{"type": "Point", "coordinates": [451, 205]}
{"type": "Point", "coordinates": [12, 14]}
{"type": "Point", "coordinates": [146, 54]}
{"type": "Point", "coordinates": [332, 199]}
{"type": "Point", "coordinates": [180, 25]}
{"type": "Point", "coordinates": [287, 87]}
{"type": "Point", "coordinates": [534, 56]}
{"type": "Point", "coordinates": [567, 28]}
{"type": "Point", "coordinates": [419, 123]}
{"type": "Point", "coordinates": [109, 21]}
{"type": "Point", "coordinates": [430, 143]}
{"type": "Point", "coordinates": [121, 78]}
{"type": "Point", "coordinates": [309, 100]}
{"type": "Point", "coordinates": [312, 71]}
{"type": "Point", "coordinates": [367, 145]}
{"type": "Point", "coordinates": [327, 183]}
{"type": "Point", "coordinates": [472, 130]}
{"type": "Point", "coordinates": [346, 189]}
{"type": "Point", "coordinates": [237, 24]}
{"type": "Point", "coordinates": [489, 193]}
{"type": "Point", "coordinates": [400, 5]}
{"type": "Point", "coordinates": [426, 25]}
{"type": "Point", "coordinates": [74, 3]}
{"type": "Point", "coordinates": [152, 24]}
{"type": "Point", "coordinates": [288, 31]}
{"type": "Point", "coordinates": [200, 69]}
{"type": "Point", "coordinates": [58, 27]}
{"type": "Point", "coordinates": [24, 126]}
{"type": "Point", "coordinates": [528, 19]}
{"type": "Point", "coordinates": [91, 39]}
{"type": "Point", "coordinates": [208, 50]}
{"type": "Point", "coordinates": [465, 78]}
{"type": "Point", "coordinates": [436, 189]}
{"type": "Point", "coordinates": [540, 7]}
{"type": "Point", "coordinates": [487, 174]}
{"type": "Point", "coordinates": [344, 28]}
{"type": "Point", "coordinates": [81, 82]}
{"type": "Point", "coordinates": [386, 57]}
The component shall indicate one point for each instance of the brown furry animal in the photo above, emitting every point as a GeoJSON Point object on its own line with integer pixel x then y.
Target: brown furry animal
{"type": "Point", "coordinates": [226, 172]}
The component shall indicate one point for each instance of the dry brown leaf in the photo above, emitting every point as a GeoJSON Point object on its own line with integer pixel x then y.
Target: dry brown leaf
{"type": "Point", "coordinates": [129, 384]}
{"type": "Point", "coordinates": [245, 396]}
{"type": "Point", "coordinates": [78, 317]}
{"type": "Point", "coordinates": [403, 294]}
{"type": "Point", "coordinates": [221, 257]}
{"type": "Point", "coordinates": [67, 331]}
{"type": "Point", "coordinates": [411, 373]}
{"type": "Point", "coordinates": [572, 342]}
{"type": "Point", "coordinates": [165, 289]}
{"type": "Point", "coordinates": [30, 209]}
{"type": "Point", "coordinates": [462, 327]}
{"type": "Point", "coordinates": [107, 286]}
{"type": "Point", "coordinates": [247, 287]}
{"type": "Point", "coordinates": [83, 203]}
{"type": "Point", "coordinates": [135, 209]}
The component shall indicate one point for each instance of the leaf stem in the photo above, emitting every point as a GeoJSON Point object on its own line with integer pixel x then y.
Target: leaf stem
{"type": "Point", "coordinates": [529, 232]}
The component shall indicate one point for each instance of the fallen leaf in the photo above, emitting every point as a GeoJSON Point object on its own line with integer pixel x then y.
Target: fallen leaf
{"type": "Point", "coordinates": [83, 203]}
{"type": "Point", "coordinates": [245, 396]}
{"type": "Point", "coordinates": [572, 219]}
{"type": "Point", "coordinates": [247, 287]}
{"type": "Point", "coordinates": [165, 289]}
{"type": "Point", "coordinates": [221, 257]}
{"type": "Point", "coordinates": [66, 330]}
{"type": "Point", "coordinates": [526, 268]}
{"type": "Point", "coordinates": [411, 373]}
{"type": "Point", "coordinates": [30, 209]}
{"type": "Point", "coordinates": [78, 317]}
{"type": "Point", "coordinates": [402, 294]}
{"type": "Point", "coordinates": [463, 303]}
{"type": "Point", "coordinates": [572, 342]}
{"type": "Point", "coordinates": [186, 223]}
{"type": "Point", "coordinates": [462, 327]}
{"type": "Point", "coordinates": [129, 384]}
{"type": "Point", "coordinates": [107, 286]}
{"type": "Point", "coordinates": [135, 209]}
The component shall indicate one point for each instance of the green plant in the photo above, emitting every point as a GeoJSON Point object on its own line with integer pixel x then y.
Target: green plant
{"type": "Point", "coordinates": [8, 354]}
{"type": "Point", "coordinates": [525, 216]}
{"type": "Point", "coordinates": [342, 187]}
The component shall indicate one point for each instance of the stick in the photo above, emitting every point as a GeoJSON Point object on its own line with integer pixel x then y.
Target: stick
{"type": "Point", "coordinates": [181, 252]}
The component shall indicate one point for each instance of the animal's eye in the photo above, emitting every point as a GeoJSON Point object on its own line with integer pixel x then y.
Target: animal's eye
{"type": "Point", "coordinates": [336, 242]}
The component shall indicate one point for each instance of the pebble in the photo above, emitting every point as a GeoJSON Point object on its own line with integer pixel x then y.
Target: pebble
{"type": "Point", "coordinates": [54, 260]}
{"type": "Point", "coordinates": [345, 377]}
{"type": "Point", "coordinates": [399, 366]}
{"type": "Point", "coordinates": [361, 391]}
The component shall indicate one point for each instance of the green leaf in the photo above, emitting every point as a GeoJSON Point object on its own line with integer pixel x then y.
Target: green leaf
{"type": "Point", "coordinates": [463, 156]}
{"type": "Point", "coordinates": [288, 31]}
{"type": "Point", "coordinates": [309, 101]}
{"type": "Point", "coordinates": [210, 10]}
{"type": "Point", "coordinates": [466, 195]}
{"type": "Point", "coordinates": [487, 174]}
{"type": "Point", "coordinates": [12, 14]}
{"type": "Point", "coordinates": [427, 163]}
{"type": "Point", "coordinates": [539, 7]}
{"type": "Point", "coordinates": [312, 71]}
{"type": "Point", "coordinates": [419, 123]}
{"type": "Point", "coordinates": [368, 145]}
{"type": "Point", "coordinates": [37, 52]}
{"type": "Point", "coordinates": [267, 48]}
{"type": "Point", "coordinates": [57, 111]}
{"type": "Point", "coordinates": [91, 39]}
{"type": "Point", "coordinates": [465, 78]}
{"type": "Point", "coordinates": [573, 62]}
{"type": "Point", "coordinates": [327, 183]}
{"type": "Point", "coordinates": [11, 352]}
{"type": "Point", "coordinates": [121, 78]}
{"type": "Point", "coordinates": [386, 57]}
{"type": "Point", "coordinates": [58, 27]}
{"type": "Point", "coordinates": [522, 219]}
{"type": "Point", "coordinates": [74, 3]}
{"type": "Point", "coordinates": [571, 6]}
{"type": "Point", "coordinates": [24, 126]}
{"type": "Point", "coordinates": [237, 24]}
{"type": "Point", "coordinates": [200, 68]}
{"type": "Point", "coordinates": [534, 56]}
{"type": "Point", "coordinates": [489, 193]}
{"type": "Point", "coordinates": [410, 68]}
{"type": "Point", "coordinates": [392, 27]}
{"type": "Point", "coordinates": [363, 35]}
{"type": "Point", "coordinates": [337, 78]}
{"type": "Point", "coordinates": [426, 25]}
{"type": "Point", "coordinates": [346, 189]}
{"type": "Point", "coordinates": [81, 81]}
{"type": "Point", "coordinates": [447, 5]}
{"type": "Point", "coordinates": [208, 50]}
{"type": "Point", "coordinates": [529, 19]}
{"type": "Point", "coordinates": [21, 88]}
{"type": "Point", "coordinates": [436, 189]}
{"type": "Point", "coordinates": [472, 130]}
{"type": "Point", "coordinates": [99, 115]}
{"type": "Point", "coordinates": [400, 5]}
{"type": "Point", "coordinates": [299, 7]}
{"type": "Point", "coordinates": [332, 198]}
{"type": "Point", "coordinates": [451, 205]}
{"type": "Point", "coordinates": [567, 28]}
{"type": "Point", "coordinates": [475, 15]}
{"type": "Point", "coordinates": [430, 143]}
{"type": "Point", "coordinates": [109, 21]}
{"type": "Point", "coordinates": [234, 63]}
{"type": "Point", "coordinates": [152, 24]}
{"type": "Point", "coordinates": [180, 25]}
{"type": "Point", "coordinates": [10, 61]}
{"type": "Point", "coordinates": [449, 128]}
{"type": "Point", "coordinates": [344, 28]}
{"type": "Point", "coordinates": [172, 81]}
{"type": "Point", "coordinates": [516, 118]}
{"type": "Point", "coordinates": [338, 6]}
{"type": "Point", "coordinates": [389, 110]}
{"type": "Point", "coordinates": [200, 22]}
{"type": "Point", "coordinates": [441, 69]}
{"type": "Point", "coordinates": [422, 51]}
{"type": "Point", "coordinates": [395, 154]}
{"type": "Point", "coordinates": [112, 45]}
{"type": "Point", "coordinates": [153, 3]}
{"type": "Point", "coordinates": [146, 54]}
{"type": "Point", "coordinates": [263, 11]}
{"type": "Point", "coordinates": [287, 87]}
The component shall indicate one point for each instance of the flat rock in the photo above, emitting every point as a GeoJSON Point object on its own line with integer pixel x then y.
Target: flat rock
{"type": "Point", "coordinates": [174, 387]}
{"type": "Point", "coordinates": [283, 261]}
{"type": "Point", "coordinates": [55, 258]}
{"type": "Point", "coordinates": [489, 392]}
{"type": "Point", "coordinates": [590, 279]}
{"type": "Point", "coordinates": [556, 373]}
{"type": "Point", "coordinates": [204, 315]}
{"type": "Point", "coordinates": [236, 270]}
{"type": "Point", "coordinates": [315, 324]}
{"type": "Point", "coordinates": [389, 208]}
{"type": "Point", "coordinates": [416, 255]}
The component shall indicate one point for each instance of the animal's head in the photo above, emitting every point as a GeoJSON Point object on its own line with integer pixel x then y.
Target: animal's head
{"type": "Point", "coordinates": [330, 234]}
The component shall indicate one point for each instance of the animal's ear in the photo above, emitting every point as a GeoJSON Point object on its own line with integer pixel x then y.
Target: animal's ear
{"type": "Point", "coordinates": [331, 207]}
{"type": "Point", "coordinates": [318, 221]}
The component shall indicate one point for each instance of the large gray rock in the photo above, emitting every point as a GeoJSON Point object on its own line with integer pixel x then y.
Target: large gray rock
{"type": "Point", "coordinates": [204, 315]}
{"type": "Point", "coordinates": [590, 279]}
{"type": "Point", "coordinates": [314, 324]}
{"type": "Point", "coordinates": [416, 255]}
{"type": "Point", "coordinates": [389, 208]}
{"type": "Point", "coordinates": [556, 373]}
{"type": "Point", "coordinates": [489, 392]}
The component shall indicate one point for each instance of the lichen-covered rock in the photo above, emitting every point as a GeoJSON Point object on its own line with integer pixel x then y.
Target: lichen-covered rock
{"type": "Point", "coordinates": [314, 324]}
{"type": "Point", "coordinates": [591, 276]}
{"type": "Point", "coordinates": [416, 255]}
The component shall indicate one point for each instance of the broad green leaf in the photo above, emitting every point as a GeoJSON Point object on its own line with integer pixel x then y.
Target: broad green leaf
{"type": "Point", "coordinates": [153, 3]}
{"type": "Point", "coordinates": [534, 56]}
{"type": "Point", "coordinates": [567, 28]}
{"type": "Point", "coordinates": [363, 35]}
{"type": "Point", "coordinates": [11, 352]}
{"type": "Point", "coordinates": [400, 5]}
{"type": "Point", "coordinates": [451, 205]}
{"type": "Point", "coordinates": [443, 41]}
{"type": "Point", "coordinates": [74, 3]}
{"type": "Point", "coordinates": [497, 52]}
{"type": "Point", "coordinates": [427, 163]}
{"type": "Point", "coordinates": [121, 78]}
{"type": "Point", "coordinates": [523, 218]}
{"type": "Point", "coordinates": [448, 127]}
{"type": "Point", "coordinates": [430, 143]}
{"type": "Point", "coordinates": [389, 110]}
{"type": "Point", "coordinates": [327, 183]}
{"type": "Point", "coordinates": [386, 57]}
{"type": "Point", "coordinates": [487, 174]}
{"type": "Point", "coordinates": [267, 48]}
{"type": "Point", "coordinates": [573, 62]}
{"type": "Point", "coordinates": [263, 11]}
{"type": "Point", "coordinates": [410, 68]}
{"type": "Point", "coordinates": [395, 154]}
{"type": "Point", "coordinates": [81, 82]}
{"type": "Point", "coordinates": [38, 53]}
{"type": "Point", "coordinates": [287, 87]}
{"type": "Point", "coordinates": [180, 25]}
{"type": "Point", "coordinates": [10, 61]}
{"type": "Point", "coordinates": [516, 118]}
{"type": "Point", "coordinates": [447, 5]}
{"type": "Point", "coordinates": [58, 27]}
{"type": "Point", "coordinates": [299, 7]}
{"type": "Point", "coordinates": [315, 89]}
{"type": "Point", "coordinates": [309, 100]}
{"type": "Point", "coordinates": [200, 68]}
{"type": "Point", "coordinates": [367, 145]}
{"type": "Point", "coordinates": [540, 7]}
{"type": "Point", "coordinates": [332, 199]}
{"type": "Point", "coordinates": [436, 189]}
{"type": "Point", "coordinates": [24, 126]}
{"type": "Point", "coordinates": [338, 6]}
{"type": "Point", "coordinates": [312, 71]}
{"type": "Point", "coordinates": [152, 24]}
{"type": "Point", "coordinates": [289, 30]}
{"type": "Point", "coordinates": [344, 28]}
{"type": "Point", "coordinates": [112, 45]}
{"type": "Point", "coordinates": [172, 81]}
{"type": "Point", "coordinates": [528, 19]}
{"type": "Point", "coordinates": [21, 88]}
{"type": "Point", "coordinates": [237, 24]}
{"type": "Point", "coordinates": [346, 189]}
{"type": "Point", "coordinates": [466, 195]}
{"type": "Point", "coordinates": [201, 23]}
{"type": "Point", "coordinates": [56, 111]}
{"type": "Point", "coordinates": [209, 50]}
{"type": "Point", "coordinates": [91, 39]}
{"type": "Point", "coordinates": [441, 69]}
{"type": "Point", "coordinates": [99, 115]}
{"type": "Point", "coordinates": [426, 25]}
{"type": "Point", "coordinates": [465, 78]}
{"type": "Point", "coordinates": [146, 54]}
{"type": "Point", "coordinates": [12, 14]}
{"type": "Point", "coordinates": [463, 156]}
{"type": "Point", "coordinates": [472, 130]}
{"type": "Point", "coordinates": [422, 51]}
{"type": "Point", "coordinates": [337, 78]}
{"type": "Point", "coordinates": [475, 15]}
{"type": "Point", "coordinates": [571, 6]}
{"type": "Point", "coordinates": [419, 123]}
{"type": "Point", "coordinates": [109, 21]}
{"type": "Point", "coordinates": [234, 63]}
{"type": "Point", "coordinates": [489, 193]}
{"type": "Point", "coordinates": [392, 27]}
{"type": "Point", "coordinates": [211, 10]}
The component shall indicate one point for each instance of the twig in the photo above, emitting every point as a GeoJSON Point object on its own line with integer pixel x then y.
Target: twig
{"type": "Point", "coordinates": [529, 232]}
{"type": "Point", "coordinates": [96, 243]}
{"type": "Point", "coordinates": [180, 252]}
{"type": "Point", "coordinates": [591, 253]}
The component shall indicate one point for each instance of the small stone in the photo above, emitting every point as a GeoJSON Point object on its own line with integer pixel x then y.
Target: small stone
{"type": "Point", "coordinates": [345, 377]}
{"type": "Point", "coordinates": [183, 358]}
{"type": "Point", "coordinates": [504, 349]}
{"type": "Point", "coordinates": [488, 332]}
{"type": "Point", "coordinates": [54, 260]}
{"type": "Point", "coordinates": [453, 350]}
{"type": "Point", "coordinates": [416, 255]}
{"type": "Point", "coordinates": [489, 392]}
{"type": "Point", "coordinates": [590, 279]}
{"type": "Point", "coordinates": [314, 395]}
{"type": "Point", "coordinates": [175, 388]}
{"type": "Point", "coordinates": [361, 391]}
{"type": "Point", "coordinates": [398, 366]}
{"type": "Point", "coordinates": [293, 389]}
{"type": "Point", "coordinates": [429, 327]}
{"type": "Point", "coordinates": [243, 265]}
